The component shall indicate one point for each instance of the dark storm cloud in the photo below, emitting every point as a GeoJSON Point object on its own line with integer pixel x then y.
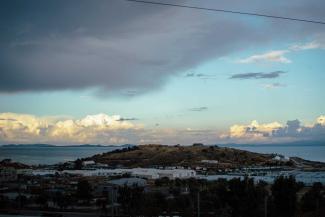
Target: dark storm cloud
{"type": "Point", "coordinates": [117, 46]}
{"type": "Point", "coordinates": [257, 75]}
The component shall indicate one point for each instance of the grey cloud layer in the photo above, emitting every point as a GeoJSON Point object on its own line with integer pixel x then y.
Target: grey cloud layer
{"type": "Point", "coordinates": [122, 46]}
{"type": "Point", "coordinates": [293, 130]}
{"type": "Point", "coordinates": [257, 75]}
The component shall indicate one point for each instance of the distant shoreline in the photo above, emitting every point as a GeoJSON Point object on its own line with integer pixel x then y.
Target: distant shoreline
{"type": "Point", "coordinates": [35, 154]}
{"type": "Point", "coordinates": [59, 146]}
{"type": "Point", "coordinates": [297, 143]}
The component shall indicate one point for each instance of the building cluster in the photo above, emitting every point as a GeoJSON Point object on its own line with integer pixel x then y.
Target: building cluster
{"type": "Point", "coordinates": [147, 173]}
{"type": "Point", "coordinates": [7, 174]}
{"type": "Point", "coordinates": [281, 158]}
{"type": "Point", "coordinates": [53, 189]}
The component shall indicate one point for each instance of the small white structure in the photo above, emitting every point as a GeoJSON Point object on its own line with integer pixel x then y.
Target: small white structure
{"type": "Point", "coordinates": [281, 158]}
{"type": "Point", "coordinates": [210, 161]}
{"type": "Point", "coordinates": [44, 172]}
{"type": "Point", "coordinates": [88, 163]}
{"type": "Point", "coordinates": [177, 173]}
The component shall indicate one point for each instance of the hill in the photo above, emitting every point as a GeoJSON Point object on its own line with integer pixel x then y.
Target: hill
{"type": "Point", "coordinates": [8, 163]}
{"type": "Point", "coordinates": [160, 155]}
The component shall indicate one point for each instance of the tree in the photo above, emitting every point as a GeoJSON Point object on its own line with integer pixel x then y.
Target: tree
{"type": "Point", "coordinates": [78, 164]}
{"type": "Point", "coordinates": [84, 190]}
{"type": "Point", "coordinates": [313, 199]}
{"type": "Point", "coordinates": [131, 199]}
{"type": "Point", "coordinates": [4, 202]}
{"type": "Point", "coordinates": [245, 198]}
{"type": "Point", "coordinates": [42, 199]}
{"type": "Point", "coordinates": [153, 204]}
{"type": "Point", "coordinates": [62, 200]}
{"type": "Point", "coordinates": [164, 181]}
{"type": "Point", "coordinates": [21, 200]}
{"type": "Point", "coordinates": [284, 194]}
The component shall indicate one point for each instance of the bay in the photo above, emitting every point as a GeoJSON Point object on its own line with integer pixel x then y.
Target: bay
{"type": "Point", "coordinates": [51, 154]}
{"type": "Point", "coordinates": [313, 152]}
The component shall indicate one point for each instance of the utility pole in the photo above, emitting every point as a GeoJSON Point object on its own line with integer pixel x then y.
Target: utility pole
{"type": "Point", "coordinates": [317, 207]}
{"type": "Point", "coordinates": [112, 200]}
{"type": "Point", "coordinates": [265, 206]}
{"type": "Point", "coordinates": [19, 195]}
{"type": "Point", "coordinates": [198, 203]}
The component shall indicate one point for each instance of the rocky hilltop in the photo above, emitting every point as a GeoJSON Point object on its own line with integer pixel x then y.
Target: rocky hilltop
{"type": "Point", "coordinates": [187, 156]}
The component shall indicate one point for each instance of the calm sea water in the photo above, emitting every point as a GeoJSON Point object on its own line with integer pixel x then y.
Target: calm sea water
{"type": "Point", "coordinates": [49, 155]}
{"type": "Point", "coordinates": [301, 176]}
{"type": "Point", "coordinates": [308, 152]}
{"type": "Point", "coordinates": [52, 155]}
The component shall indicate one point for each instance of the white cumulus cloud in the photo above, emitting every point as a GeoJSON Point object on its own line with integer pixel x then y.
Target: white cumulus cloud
{"type": "Point", "coordinates": [317, 43]}
{"type": "Point", "coordinates": [100, 128]}
{"type": "Point", "coordinates": [271, 56]}
{"type": "Point", "coordinates": [276, 132]}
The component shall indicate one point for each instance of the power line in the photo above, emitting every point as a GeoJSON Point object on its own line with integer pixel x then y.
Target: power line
{"type": "Point", "coordinates": [229, 11]}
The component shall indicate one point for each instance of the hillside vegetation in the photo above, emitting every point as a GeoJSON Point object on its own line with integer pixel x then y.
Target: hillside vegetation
{"type": "Point", "coordinates": [160, 155]}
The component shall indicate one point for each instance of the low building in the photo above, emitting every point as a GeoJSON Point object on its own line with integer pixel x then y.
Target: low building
{"type": "Point", "coordinates": [281, 158]}
{"type": "Point", "coordinates": [88, 163]}
{"type": "Point", "coordinates": [41, 172]}
{"type": "Point", "coordinates": [209, 161]}
{"type": "Point", "coordinates": [148, 173]}
{"type": "Point", "coordinates": [8, 174]}
{"type": "Point", "coordinates": [129, 182]}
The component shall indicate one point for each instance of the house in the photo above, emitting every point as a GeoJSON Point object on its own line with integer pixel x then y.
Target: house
{"type": "Point", "coordinates": [147, 173]}
{"type": "Point", "coordinates": [281, 158]}
{"type": "Point", "coordinates": [129, 182]}
{"type": "Point", "coordinates": [88, 163]}
{"type": "Point", "coordinates": [210, 161]}
{"type": "Point", "coordinates": [8, 174]}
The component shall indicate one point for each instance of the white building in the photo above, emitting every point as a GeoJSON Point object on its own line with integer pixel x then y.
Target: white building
{"type": "Point", "coordinates": [210, 161]}
{"type": "Point", "coordinates": [88, 163]}
{"type": "Point", "coordinates": [148, 173]}
{"type": "Point", "coordinates": [44, 172]}
{"type": "Point", "coordinates": [129, 182]}
{"type": "Point", "coordinates": [281, 158]}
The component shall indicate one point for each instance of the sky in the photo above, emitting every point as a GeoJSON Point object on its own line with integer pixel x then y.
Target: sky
{"type": "Point", "coordinates": [116, 72]}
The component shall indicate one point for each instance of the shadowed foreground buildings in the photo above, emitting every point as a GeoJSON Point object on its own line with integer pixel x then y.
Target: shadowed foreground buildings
{"type": "Point", "coordinates": [75, 195]}
{"type": "Point", "coordinates": [157, 180]}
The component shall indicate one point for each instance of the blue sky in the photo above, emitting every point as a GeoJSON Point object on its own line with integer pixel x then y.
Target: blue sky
{"type": "Point", "coordinates": [176, 78]}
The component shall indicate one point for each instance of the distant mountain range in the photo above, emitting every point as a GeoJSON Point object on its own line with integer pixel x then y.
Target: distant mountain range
{"type": "Point", "coordinates": [296, 143]}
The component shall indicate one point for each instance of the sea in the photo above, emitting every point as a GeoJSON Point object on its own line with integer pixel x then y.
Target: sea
{"type": "Point", "coordinates": [46, 155]}
{"type": "Point", "coordinates": [55, 154]}
{"type": "Point", "coordinates": [313, 152]}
